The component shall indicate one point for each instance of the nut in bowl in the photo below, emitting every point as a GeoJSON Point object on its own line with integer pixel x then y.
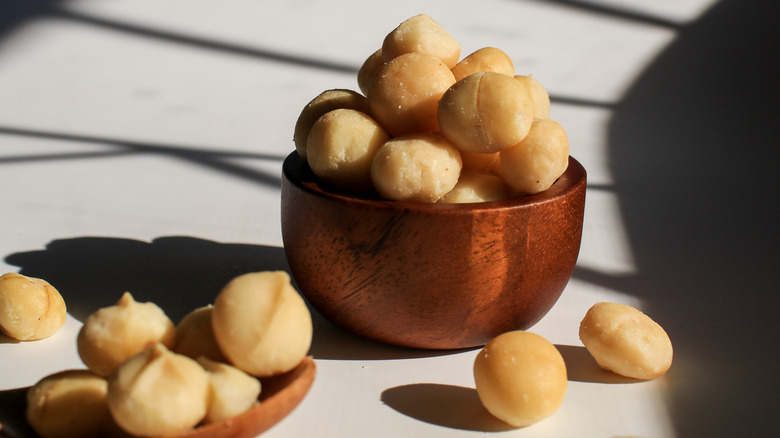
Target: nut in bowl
{"type": "Point", "coordinates": [430, 275]}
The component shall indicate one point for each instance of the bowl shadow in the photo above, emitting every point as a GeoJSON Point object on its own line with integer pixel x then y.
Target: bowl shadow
{"type": "Point", "coordinates": [179, 274]}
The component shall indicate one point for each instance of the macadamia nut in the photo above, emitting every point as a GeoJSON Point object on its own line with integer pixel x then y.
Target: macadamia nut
{"type": "Point", "coordinates": [624, 340]}
{"type": "Point", "coordinates": [232, 390]}
{"type": "Point", "coordinates": [520, 378]}
{"type": "Point", "coordinates": [475, 186]}
{"type": "Point", "coordinates": [422, 167]}
{"type": "Point", "coordinates": [326, 101]}
{"type": "Point", "coordinates": [341, 146]}
{"type": "Point", "coordinates": [420, 34]}
{"type": "Point", "coordinates": [539, 96]}
{"type": "Point", "coordinates": [534, 164]}
{"type": "Point", "coordinates": [30, 308]}
{"type": "Point", "coordinates": [68, 404]}
{"type": "Point", "coordinates": [195, 337]}
{"type": "Point", "coordinates": [405, 92]}
{"type": "Point", "coordinates": [262, 324]}
{"type": "Point", "coordinates": [158, 392]}
{"type": "Point", "coordinates": [485, 112]}
{"type": "Point", "coordinates": [368, 70]}
{"type": "Point", "coordinates": [115, 333]}
{"type": "Point", "coordinates": [484, 59]}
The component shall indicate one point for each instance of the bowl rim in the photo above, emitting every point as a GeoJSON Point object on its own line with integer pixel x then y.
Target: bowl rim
{"type": "Point", "coordinates": [296, 171]}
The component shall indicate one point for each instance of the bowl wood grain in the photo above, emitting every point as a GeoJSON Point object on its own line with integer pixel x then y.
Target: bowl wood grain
{"type": "Point", "coordinates": [435, 276]}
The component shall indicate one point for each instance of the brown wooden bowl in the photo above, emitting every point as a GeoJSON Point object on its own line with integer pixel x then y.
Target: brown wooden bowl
{"type": "Point", "coordinates": [434, 276]}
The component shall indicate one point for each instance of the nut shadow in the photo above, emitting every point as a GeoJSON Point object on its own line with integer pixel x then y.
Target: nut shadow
{"type": "Point", "coordinates": [5, 339]}
{"type": "Point", "coordinates": [455, 407]}
{"type": "Point", "coordinates": [581, 367]}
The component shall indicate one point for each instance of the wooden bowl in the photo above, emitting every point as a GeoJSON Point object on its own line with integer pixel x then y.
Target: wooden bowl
{"type": "Point", "coordinates": [433, 276]}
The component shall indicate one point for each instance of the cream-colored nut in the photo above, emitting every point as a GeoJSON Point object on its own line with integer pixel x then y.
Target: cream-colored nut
{"type": "Point", "coordinates": [534, 164]}
{"type": "Point", "coordinates": [262, 324]}
{"type": "Point", "coordinates": [68, 404]}
{"type": "Point", "coordinates": [484, 59]}
{"type": "Point", "coordinates": [158, 392]}
{"type": "Point", "coordinates": [420, 34]}
{"type": "Point", "coordinates": [485, 112]}
{"type": "Point", "coordinates": [475, 186]}
{"type": "Point", "coordinates": [195, 337]}
{"type": "Point", "coordinates": [232, 390]}
{"type": "Point", "coordinates": [341, 147]}
{"type": "Point", "coordinates": [366, 73]}
{"type": "Point", "coordinates": [520, 378]}
{"type": "Point", "coordinates": [113, 334]}
{"type": "Point", "coordinates": [30, 308]}
{"type": "Point", "coordinates": [405, 93]}
{"type": "Point", "coordinates": [326, 101]}
{"type": "Point", "coordinates": [624, 340]}
{"type": "Point", "coordinates": [420, 167]}
{"type": "Point", "coordinates": [539, 96]}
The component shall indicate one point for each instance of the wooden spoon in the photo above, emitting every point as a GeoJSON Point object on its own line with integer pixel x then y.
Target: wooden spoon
{"type": "Point", "coordinates": [280, 395]}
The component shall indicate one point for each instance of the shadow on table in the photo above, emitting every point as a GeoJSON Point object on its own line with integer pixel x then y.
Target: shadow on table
{"type": "Point", "coordinates": [12, 407]}
{"type": "Point", "coordinates": [581, 367]}
{"type": "Point", "coordinates": [693, 147]}
{"type": "Point", "coordinates": [456, 407]}
{"type": "Point", "coordinates": [459, 407]}
{"type": "Point", "coordinates": [179, 274]}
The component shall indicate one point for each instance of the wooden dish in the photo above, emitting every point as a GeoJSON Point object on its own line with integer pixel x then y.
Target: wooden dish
{"type": "Point", "coordinates": [279, 396]}
{"type": "Point", "coordinates": [435, 276]}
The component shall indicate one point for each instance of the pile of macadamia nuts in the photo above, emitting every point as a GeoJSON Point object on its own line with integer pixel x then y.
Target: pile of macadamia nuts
{"type": "Point", "coordinates": [432, 127]}
{"type": "Point", "coordinates": [30, 308]}
{"type": "Point", "coordinates": [146, 376]}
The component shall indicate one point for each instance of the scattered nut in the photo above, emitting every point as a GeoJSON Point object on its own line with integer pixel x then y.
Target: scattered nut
{"type": "Point", "coordinates": [624, 340]}
{"type": "Point", "coordinates": [30, 308]}
{"type": "Point", "coordinates": [520, 378]}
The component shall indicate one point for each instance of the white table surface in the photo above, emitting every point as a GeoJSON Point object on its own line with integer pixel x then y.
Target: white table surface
{"type": "Point", "coordinates": [141, 145]}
